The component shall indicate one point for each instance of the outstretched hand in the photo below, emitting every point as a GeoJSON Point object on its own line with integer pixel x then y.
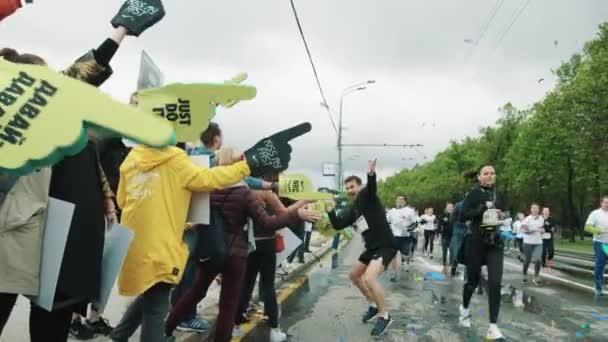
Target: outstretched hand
{"type": "Point", "coordinates": [272, 154]}
{"type": "Point", "coordinates": [371, 167]}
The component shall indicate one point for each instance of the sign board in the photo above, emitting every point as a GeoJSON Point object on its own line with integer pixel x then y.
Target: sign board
{"type": "Point", "coordinates": [199, 212]}
{"type": "Point", "coordinates": [149, 73]}
{"type": "Point", "coordinates": [329, 169]}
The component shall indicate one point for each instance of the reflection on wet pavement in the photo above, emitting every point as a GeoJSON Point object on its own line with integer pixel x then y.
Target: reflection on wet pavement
{"type": "Point", "coordinates": [329, 308]}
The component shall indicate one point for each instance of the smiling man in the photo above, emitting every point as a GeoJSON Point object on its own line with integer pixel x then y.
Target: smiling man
{"type": "Point", "coordinates": [368, 215]}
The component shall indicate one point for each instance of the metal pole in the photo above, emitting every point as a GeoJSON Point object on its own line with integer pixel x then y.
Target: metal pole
{"type": "Point", "coordinates": [339, 185]}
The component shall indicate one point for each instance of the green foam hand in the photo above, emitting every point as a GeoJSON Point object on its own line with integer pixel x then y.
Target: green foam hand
{"type": "Point", "coordinates": [299, 187]}
{"type": "Point", "coordinates": [44, 116]}
{"type": "Point", "coordinates": [189, 107]}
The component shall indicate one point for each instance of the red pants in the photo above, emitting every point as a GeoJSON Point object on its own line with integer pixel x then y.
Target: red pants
{"type": "Point", "coordinates": [232, 282]}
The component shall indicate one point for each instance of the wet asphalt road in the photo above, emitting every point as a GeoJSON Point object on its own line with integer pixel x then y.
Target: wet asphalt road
{"type": "Point", "coordinates": [328, 308]}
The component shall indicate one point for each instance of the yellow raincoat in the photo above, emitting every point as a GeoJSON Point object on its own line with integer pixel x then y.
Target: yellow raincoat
{"type": "Point", "coordinates": [154, 192]}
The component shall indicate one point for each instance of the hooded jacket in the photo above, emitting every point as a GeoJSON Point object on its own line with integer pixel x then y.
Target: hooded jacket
{"type": "Point", "coordinates": [154, 193]}
{"type": "Point", "coordinates": [236, 205]}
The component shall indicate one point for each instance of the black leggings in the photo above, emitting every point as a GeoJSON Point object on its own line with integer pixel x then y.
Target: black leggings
{"type": "Point", "coordinates": [445, 245]}
{"type": "Point", "coordinates": [478, 254]}
{"type": "Point", "coordinates": [429, 236]}
{"type": "Point", "coordinates": [548, 251]}
{"type": "Point", "coordinates": [263, 260]}
{"type": "Point", "coordinates": [44, 326]}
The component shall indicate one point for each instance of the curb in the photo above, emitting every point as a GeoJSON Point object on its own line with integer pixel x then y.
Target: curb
{"type": "Point", "coordinates": [303, 268]}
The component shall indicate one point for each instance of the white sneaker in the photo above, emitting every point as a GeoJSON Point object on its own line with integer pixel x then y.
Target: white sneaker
{"type": "Point", "coordinates": [276, 335]}
{"type": "Point", "coordinates": [494, 334]}
{"type": "Point", "coordinates": [465, 317]}
{"type": "Point", "coordinates": [237, 332]}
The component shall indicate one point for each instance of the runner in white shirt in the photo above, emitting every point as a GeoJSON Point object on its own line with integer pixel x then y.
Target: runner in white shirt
{"type": "Point", "coordinates": [429, 224]}
{"type": "Point", "coordinates": [597, 223]}
{"type": "Point", "coordinates": [401, 219]}
{"type": "Point", "coordinates": [506, 228]}
{"type": "Point", "coordinates": [519, 235]}
{"type": "Point", "coordinates": [533, 228]}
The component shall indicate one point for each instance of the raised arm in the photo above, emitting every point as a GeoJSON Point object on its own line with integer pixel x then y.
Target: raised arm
{"type": "Point", "coordinates": [372, 185]}
{"type": "Point", "coordinates": [268, 223]}
{"type": "Point", "coordinates": [198, 179]}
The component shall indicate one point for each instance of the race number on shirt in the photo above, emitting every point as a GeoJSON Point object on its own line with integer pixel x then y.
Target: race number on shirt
{"type": "Point", "coordinates": [361, 224]}
{"type": "Point", "coordinates": [490, 218]}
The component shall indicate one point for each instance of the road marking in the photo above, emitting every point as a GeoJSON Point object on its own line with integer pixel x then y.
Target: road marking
{"type": "Point", "coordinates": [560, 279]}
{"type": "Point", "coordinates": [436, 267]}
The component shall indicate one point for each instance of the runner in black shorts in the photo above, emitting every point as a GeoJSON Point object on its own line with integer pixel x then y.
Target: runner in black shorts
{"type": "Point", "coordinates": [368, 215]}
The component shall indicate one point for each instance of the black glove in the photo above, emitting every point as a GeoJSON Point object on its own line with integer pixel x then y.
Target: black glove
{"type": "Point", "coordinates": [424, 221]}
{"type": "Point", "coordinates": [138, 15]}
{"type": "Point", "coordinates": [272, 154]}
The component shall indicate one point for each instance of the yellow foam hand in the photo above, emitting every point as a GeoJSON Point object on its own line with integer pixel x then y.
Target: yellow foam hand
{"type": "Point", "coordinates": [298, 187]}
{"type": "Point", "coordinates": [189, 107]}
{"type": "Point", "coordinates": [44, 116]}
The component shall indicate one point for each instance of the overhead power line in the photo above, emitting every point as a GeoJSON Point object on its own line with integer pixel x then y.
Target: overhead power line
{"type": "Point", "coordinates": [508, 29]}
{"type": "Point", "coordinates": [383, 145]}
{"type": "Point", "coordinates": [314, 69]}
{"type": "Point", "coordinates": [484, 28]}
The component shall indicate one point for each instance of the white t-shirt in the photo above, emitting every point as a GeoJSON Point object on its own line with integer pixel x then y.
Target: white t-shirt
{"type": "Point", "coordinates": [517, 229]}
{"type": "Point", "coordinates": [599, 219]}
{"type": "Point", "coordinates": [400, 220]}
{"type": "Point", "coordinates": [533, 236]}
{"type": "Point", "coordinates": [506, 225]}
{"type": "Point", "coordinates": [430, 222]}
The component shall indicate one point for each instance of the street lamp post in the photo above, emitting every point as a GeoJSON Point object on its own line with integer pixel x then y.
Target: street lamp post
{"type": "Point", "coordinates": [345, 91]}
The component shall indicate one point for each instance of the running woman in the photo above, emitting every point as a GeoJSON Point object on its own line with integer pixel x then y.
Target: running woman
{"type": "Point", "coordinates": [483, 247]}
{"type": "Point", "coordinates": [597, 224]}
{"type": "Point", "coordinates": [519, 235]}
{"type": "Point", "coordinates": [401, 218]}
{"type": "Point", "coordinates": [551, 226]}
{"type": "Point", "coordinates": [367, 213]}
{"type": "Point", "coordinates": [446, 226]}
{"type": "Point", "coordinates": [533, 228]}
{"type": "Point", "coordinates": [428, 221]}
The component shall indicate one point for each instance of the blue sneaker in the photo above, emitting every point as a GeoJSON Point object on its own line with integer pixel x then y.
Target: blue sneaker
{"type": "Point", "coordinates": [194, 325]}
{"type": "Point", "coordinates": [372, 311]}
{"type": "Point", "coordinates": [599, 292]}
{"type": "Point", "coordinates": [381, 326]}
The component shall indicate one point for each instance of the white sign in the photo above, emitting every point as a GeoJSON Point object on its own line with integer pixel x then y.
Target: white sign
{"type": "Point", "coordinates": [117, 243]}
{"type": "Point", "coordinates": [149, 74]}
{"type": "Point", "coordinates": [199, 212]}
{"type": "Point", "coordinates": [291, 243]}
{"type": "Point", "coordinates": [329, 169]}
{"type": "Point", "coordinates": [56, 229]}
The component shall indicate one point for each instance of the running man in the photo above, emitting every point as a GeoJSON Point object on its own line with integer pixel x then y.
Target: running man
{"type": "Point", "coordinates": [367, 213]}
{"type": "Point", "coordinates": [597, 224]}
{"type": "Point", "coordinates": [402, 219]}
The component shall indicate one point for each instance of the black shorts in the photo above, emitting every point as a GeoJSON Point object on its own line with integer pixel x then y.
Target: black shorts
{"type": "Point", "coordinates": [387, 254]}
{"type": "Point", "coordinates": [402, 244]}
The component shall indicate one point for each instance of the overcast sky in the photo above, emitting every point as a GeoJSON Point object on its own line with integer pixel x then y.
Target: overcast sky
{"type": "Point", "coordinates": [427, 91]}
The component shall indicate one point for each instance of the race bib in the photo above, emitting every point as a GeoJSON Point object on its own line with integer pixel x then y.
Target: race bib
{"type": "Point", "coordinates": [546, 236]}
{"type": "Point", "coordinates": [361, 224]}
{"type": "Point", "coordinates": [491, 217]}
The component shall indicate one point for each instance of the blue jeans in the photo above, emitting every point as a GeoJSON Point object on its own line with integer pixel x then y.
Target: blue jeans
{"type": "Point", "coordinates": [456, 244]}
{"type": "Point", "coordinates": [600, 263]}
{"type": "Point", "coordinates": [336, 242]}
{"type": "Point", "coordinates": [190, 238]}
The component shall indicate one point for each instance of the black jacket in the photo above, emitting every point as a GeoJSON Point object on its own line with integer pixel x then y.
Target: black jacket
{"type": "Point", "coordinates": [368, 205]}
{"type": "Point", "coordinates": [446, 225]}
{"type": "Point", "coordinates": [475, 205]}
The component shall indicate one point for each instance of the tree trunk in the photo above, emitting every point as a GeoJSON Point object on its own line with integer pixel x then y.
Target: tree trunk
{"type": "Point", "coordinates": [573, 221]}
